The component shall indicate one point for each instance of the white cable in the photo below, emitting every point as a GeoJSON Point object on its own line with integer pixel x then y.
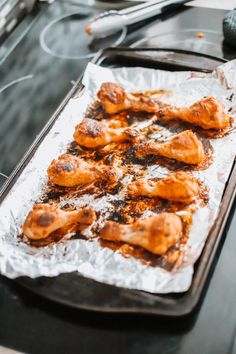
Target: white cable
{"type": "Point", "coordinates": [27, 77]}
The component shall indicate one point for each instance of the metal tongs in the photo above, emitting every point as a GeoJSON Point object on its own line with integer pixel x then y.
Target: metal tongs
{"type": "Point", "coordinates": [112, 21]}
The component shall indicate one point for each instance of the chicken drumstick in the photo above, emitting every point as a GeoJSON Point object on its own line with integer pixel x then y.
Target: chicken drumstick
{"type": "Point", "coordinates": [44, 219]}
{"type": "Point", "coordinates": [207, 113]}
{"type": "Point", "coordinates": [178, 187]}
{"type": "Point", "coordinates": [114, 100]}
{"type": "Point", "coordinates": [184, 147]}
{"type": "Point", "coordinates": [69, 171]}
{"type": "Point", "coordinates": [93, 134]}
{"type": "Point", "coordinates": [156, 233]}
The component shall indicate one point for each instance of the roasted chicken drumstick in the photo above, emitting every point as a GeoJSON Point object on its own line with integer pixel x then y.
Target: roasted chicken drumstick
{"type": "Point", "coordinates": [69, 170]}
{"type": "Point", "coordinates": [178, 187]}
{"type": "Point", "coordinates": [184, 147]}
{"type": "Point", "coordinates": [207, 113]}
{"type": "Point", "coordinates": [91, 133]}
{"type": "Point", "coordinates": [114, 100]}
{"type": "Point", "coordinates": [44, 219]}
{"type": "Point", "coordinates": [155, 234]}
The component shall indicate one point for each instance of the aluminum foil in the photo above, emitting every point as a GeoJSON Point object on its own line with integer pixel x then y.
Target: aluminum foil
{"type": "Point", "coordinates": [88, 257]}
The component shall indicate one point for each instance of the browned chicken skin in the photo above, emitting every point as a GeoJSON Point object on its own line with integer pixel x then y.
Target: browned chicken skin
{"type": "Point", "coordinates": [207, 113]}
{"type": "Point", "coordinates": [44, 219]}
{"type": "Point", "coordinates": [69, 170]}
{"type": "Point", "coordinates": [178, 187]}
{"type": "Point", "coordinates": [114, 100]}
{"type": "Point", "coordinates": [91, 133]}
{"type": "Point", "coordinates": [184, 147]}
{"type": "Point", "coordinates": [155, 234]}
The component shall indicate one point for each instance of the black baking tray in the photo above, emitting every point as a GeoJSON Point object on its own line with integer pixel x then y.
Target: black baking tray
{"type": "Point", "coordinates": [77, 291]}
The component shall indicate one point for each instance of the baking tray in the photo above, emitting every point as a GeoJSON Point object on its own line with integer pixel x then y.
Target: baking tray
{"type": "Point", "coordinates": [76, 291]}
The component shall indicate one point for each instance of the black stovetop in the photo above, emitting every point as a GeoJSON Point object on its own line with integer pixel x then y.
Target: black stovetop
{"type": "Point", "coordinates": [32, 84]}
{"type": "Point", "coordinates": [39, 72]}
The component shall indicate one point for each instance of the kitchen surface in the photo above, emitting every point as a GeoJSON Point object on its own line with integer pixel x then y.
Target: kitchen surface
{"type": "Point", "coordinates": [40, 61]}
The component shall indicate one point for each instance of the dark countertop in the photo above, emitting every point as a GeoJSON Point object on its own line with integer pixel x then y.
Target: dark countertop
{"type": "Point", "coordinates": [31, 324]}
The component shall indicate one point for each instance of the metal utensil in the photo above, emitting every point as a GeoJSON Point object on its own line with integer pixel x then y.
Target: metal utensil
{"type": "Point", "coordinates": [112, 21]}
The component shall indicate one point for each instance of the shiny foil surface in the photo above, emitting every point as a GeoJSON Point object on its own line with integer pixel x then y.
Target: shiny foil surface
{"type": "Point", "coordinates": [88, 257]}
